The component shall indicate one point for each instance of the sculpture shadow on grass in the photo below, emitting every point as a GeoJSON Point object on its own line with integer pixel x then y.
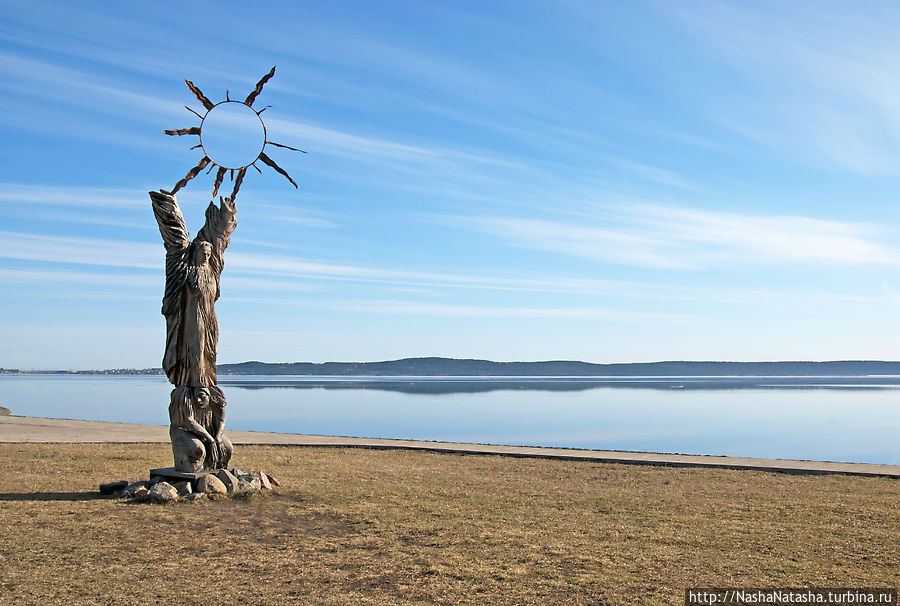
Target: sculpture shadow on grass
{"type": "Point", "coordinates": [52, 496]}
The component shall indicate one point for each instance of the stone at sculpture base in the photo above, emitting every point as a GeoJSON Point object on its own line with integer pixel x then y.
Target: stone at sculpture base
{"type": "Point", "coordinates": [234, 478]}
{"type": "Point", "coordinates": [210, 484]}
{"type": "Point", "coordinates": [191, 485]}
{"type": "Point", "coordinates": [163, 492]}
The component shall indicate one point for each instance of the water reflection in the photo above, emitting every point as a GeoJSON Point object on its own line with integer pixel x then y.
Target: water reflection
{"type": "Point", "coordinates": [834, 418]}
{"type": "Point", "coordinates": [459, 385]}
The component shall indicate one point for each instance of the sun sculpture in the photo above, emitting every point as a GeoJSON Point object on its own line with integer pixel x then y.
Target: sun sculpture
{"type": "Point", "coordinates": [213, 110]}
{"type": "Point", "coordinates": [193, 270]}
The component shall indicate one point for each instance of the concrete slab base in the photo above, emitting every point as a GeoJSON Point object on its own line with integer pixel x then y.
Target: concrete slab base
{"type": "Point", "coordinates": [174, 474]}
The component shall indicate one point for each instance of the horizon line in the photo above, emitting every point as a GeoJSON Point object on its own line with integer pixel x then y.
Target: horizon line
{"type": "Point", "coordinates": [150, 370]}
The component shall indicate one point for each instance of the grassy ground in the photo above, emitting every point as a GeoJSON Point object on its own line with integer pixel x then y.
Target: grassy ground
{"type": "Point", "coordinates": [374, 527]}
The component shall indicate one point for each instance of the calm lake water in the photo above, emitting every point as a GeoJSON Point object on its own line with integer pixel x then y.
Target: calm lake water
{"type": "Point", "coordinates": [831, 418]}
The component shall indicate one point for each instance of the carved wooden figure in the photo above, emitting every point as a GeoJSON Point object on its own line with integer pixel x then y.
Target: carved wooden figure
{"type": "Point", "coordinates": [193, 269]}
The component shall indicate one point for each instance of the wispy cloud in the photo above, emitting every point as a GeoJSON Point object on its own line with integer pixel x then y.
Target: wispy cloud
{"type": "Point", "coordinates": [768, 238]}
{"type": "Point", "coordinates": [99, 97]}
{"type": "Point", "coordinates": [72, 280]}
{"type": "Point", "coordinates": [406, 308]}
{"type": "Point", "coordinates": [701, 243]}
{"type": "Point", "coordinates": [652, 173]}
{"type": "Point", "coordinates": [444, 160]}
{"type": "Point", "coordinates": [281, 213]}
{"type": "Point", "coordinates": [682, 238]}
{"type": "Point", "coordinates": [39, 79]}
{"type": "Point", "coordinates": [46, 217]}
{"type": "Point", "coordinates": [254, 283]}
{"type": "Point", "coordinates": [121, 253]}
{"type": "Point", "coordinates": [94, 200]}
{"type": "Point", "coordinates": [815, 82]}
{"type": "Point", "coordinates": [44, 277]}
{"type": "Point", "coordinates": [71, 195]}
{"type": "Point", "coordinates": [600, 243]}
{"type": "Point", "coordinates": [345, 144]}
{"type": "Point", "coordinates": [80, 251]}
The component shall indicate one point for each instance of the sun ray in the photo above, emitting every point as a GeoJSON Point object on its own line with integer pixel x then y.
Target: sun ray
{"type": "Point", "coordinates": [199, 94]}
{"type": "Point", "coordinates": [266, 159]}
{"type": "Point", "coordinates": [196, 146]}
{"type": "Point", "coordinates": [220, 176]}
{"type": "Point", "coordinates": [191, 174]}
{"type": "Point", "coordinates": [285, 146]}
{"type": "Point", "coordinates": [259, 86]}
{"type": "Point", "coordinates": [193, 112]}
{"type": "Point", "coordinates": [237, 183]}
{"type": "Point", "coordinates": [194, 130]}
{"type": "Point", "coordinates": [256, 167]}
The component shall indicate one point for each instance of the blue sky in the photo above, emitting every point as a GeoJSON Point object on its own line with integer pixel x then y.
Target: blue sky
{"type": "Point", "coordinates": [603, 181]}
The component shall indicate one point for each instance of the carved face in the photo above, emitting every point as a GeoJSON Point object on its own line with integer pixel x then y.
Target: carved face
{"type": "Point", "coordinates": [202, 398]}
{"type": "Point", "coordinates": [202, 252]}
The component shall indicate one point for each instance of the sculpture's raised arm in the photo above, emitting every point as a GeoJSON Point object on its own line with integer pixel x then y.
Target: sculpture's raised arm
{"type": "Point", "coordinates": [171, 223]}
{"type": "Point", "coordinates": [220, 222]}
{"type": "Point", "coordinates": [176, 238]}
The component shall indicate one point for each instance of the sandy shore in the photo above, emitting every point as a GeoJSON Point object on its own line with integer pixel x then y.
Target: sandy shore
{"type": "Point", "coordinates": [32, 429]}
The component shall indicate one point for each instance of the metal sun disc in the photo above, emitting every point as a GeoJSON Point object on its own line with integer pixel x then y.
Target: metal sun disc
{"type": "Point", "coordinates": [206, 144]}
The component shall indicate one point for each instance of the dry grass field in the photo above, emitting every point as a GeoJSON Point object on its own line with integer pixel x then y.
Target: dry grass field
{"type": "Point", "coordinates": [353, 526]}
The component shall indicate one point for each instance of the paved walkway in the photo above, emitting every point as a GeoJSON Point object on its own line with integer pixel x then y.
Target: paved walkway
{"type": "Point", "coordinates": [30, 429]}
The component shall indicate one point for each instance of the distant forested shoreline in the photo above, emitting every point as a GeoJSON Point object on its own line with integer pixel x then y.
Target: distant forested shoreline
{"type": "Point", "coordinates": [468, 367]}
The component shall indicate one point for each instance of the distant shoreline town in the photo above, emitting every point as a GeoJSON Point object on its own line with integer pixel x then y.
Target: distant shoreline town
{"type": "Point", "coordinates": [434, 366]}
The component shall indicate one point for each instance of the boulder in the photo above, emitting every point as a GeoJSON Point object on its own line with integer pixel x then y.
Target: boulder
{"type": "Point", "coordinates": [195, 496]}
{"type": "Point", "coordinates": [184, 488]}
{"type": "Point", "coordinates": [210, 484]}
{"type": "Point", "coordinates": [231, 483]}
{"type": "Point", "coordinates": [4, 411]}
{"type": "Point", "coordinates": [132, 488]}
{"type": "Point", "coordinates": [273, 480]}
{"type": "Point", "coordinates": [112, 487]}
{"type": "Point", "coordinates": [163, 492]}
{"type": "Point", "coordinates": [249, 482]}
{"type": "Point", "coordinates": [264, 481]}
{"type": "Point", "coordinates": [238, 472]}
{"type": "Point", "coordinates": [142, 494]}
